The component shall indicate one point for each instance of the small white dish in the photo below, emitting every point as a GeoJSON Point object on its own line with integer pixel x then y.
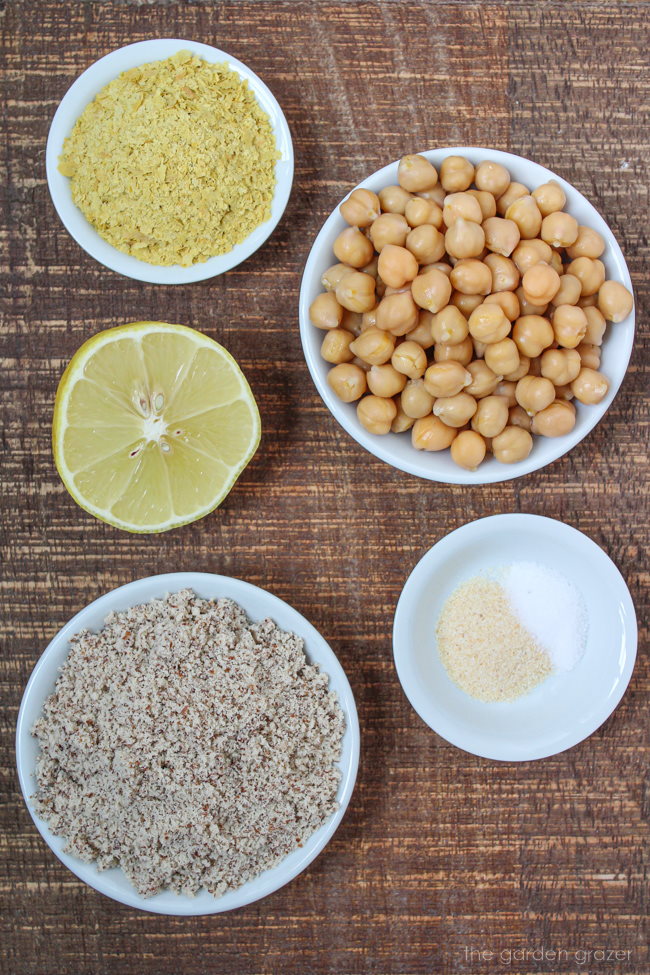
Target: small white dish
{"type": "Point", "coordinates": [258, 604]}
{"type": "Point", "coordinates": [567, 707]}
{"type": "Point", "coordinates": [84, 90]}
{"type": "Point", "coordinates": [396, 449]}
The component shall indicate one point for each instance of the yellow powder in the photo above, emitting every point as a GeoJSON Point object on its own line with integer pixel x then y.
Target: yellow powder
{"type": "Point", "coordinates": [484, 647]}
{"type": "Point", "coordinates": [173, 162]}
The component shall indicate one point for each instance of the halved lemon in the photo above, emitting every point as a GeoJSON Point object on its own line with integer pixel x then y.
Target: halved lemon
{"type": "Point", "coordinates": [153, 424]}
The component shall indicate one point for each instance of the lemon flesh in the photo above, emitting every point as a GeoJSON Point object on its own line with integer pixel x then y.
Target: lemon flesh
{"type": "Point", "coordinates": [153, 424]}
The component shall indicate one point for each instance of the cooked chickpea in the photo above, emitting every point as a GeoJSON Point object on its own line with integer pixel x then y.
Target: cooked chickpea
{"type": "Point", "coordinates": [484, 380]}
{"type": "Point", "coordinates": [531, 252]}
{"type": "Point", "coordinates": [361, 208]}
{"type": "Point", "coordinates": [437, 194]}
{"type": "Point", "coordinates": [419, 212]}
{"type": "Point", "coordinates": [588, 243]}
{"type": "Point", "coordinates": [331, 277]}
{"type": "Point", "coordinates": [461, 206]}
{"type": "Point", "coordinates": [522, 369]}
{"type": "Point", "coordinates": [456, 174]}
{"type": "Point", "coordinates": [437, 266]}
{"type": "Point", "coordinates": [369, 319]}
{"type": "Point", "coordinates": [549, 197]}
{"type": "Point", "coordinates": [615, 301]}
{"type": "Point", "coordinates": [561, 366]}
{"type": "Point", "coordinates": [564, 392]}
{"type": "Point", "coordinates": [353, 248]}
{"type": "Point", "coordinates": [535, 366]}
{"type": "Point", "coordinates": [488, 323]}
{"type": "Point", "coordinates": [397, 313]}
{"type": "Point", "coordinates": [389, 228]}
{"type": "Point", "coordinates": [471, 277]}
{"type": "Point", "coordinates": [515, 191]}
{"type": "Point", "coordinates": [590, 273]}
{"type": "Point", "coordinates": [506, 390]}
{"type": "Point", "coordinates": [385, 380]}
{"type": "Point", "coordinates": [589, 355]}
{"type": "Point", "coordinates": [335, 346]}
{"type": "Point", "coordinates": [347, 381]}
{"type": "Point", "coordinates": [532, 334]}
{"type": "Point", "coordinates": [569, 325]}
{"type": "Point", "coordinates": [569, 290]}
{"type": "Point", "coordinates": [501, 236]}
{"type": "Point", "coordinates": [502, 357]}
{"type": "Point", "coordinates": [402, 422]}
{"type": "Point", "coordinates": [540, 283]}
{"type": "Point", "coordinates": [555, 420]}
{"type": "Point", "coordinates": [449, 325]}
{"type": "Point", "coordinates": [517, 417]}
{"type": "Point", "coordinates": [479, 348]}
{"type": "Point", "coordinates": [410, 359]}
{"type": "Point", "coordinates": [416, 401]}
{"type": "Point", "coordinates": [556, 262]}
{"type": "Point", "coordinates": [376, 413]}
{"type": "Point", "coordinates": [534, 393]}
{"type": "Point", "coordinates": [505, 274]}
{"type": "Point", "coordinates": [465, 303]}
{"type": "Point", "coordinates": [491, 416]}
{"type": "Point", "coordinates": [493, 177]}
{"type": "Point", "coordinates": [426, 244]}
{"type": "Point", "coordinates": [446, 378]}
{"type": "Point", "coordinates": [528, 307]}
{"type": "Point", "coordinates": [512, 445]}
{"type": "Point", "coordinates": [325, 311]}
{"type": "Point", "coordinates": [396, 265]}
{"type": "Point", "coordinates": [468, 450]}
{"type": "Point", "coordinates": [431, 290]}
{"type": "Point", "coordinates": [559, 229]}
{"type": "Point", "coordinates": [422, 333]}
{"type": "Point", "coordinates": [464, 239]}
{"type": "Point", "coordinates": [352, 321]}
{"type": "Point", "coordinates": [430, 433]}
{"type": "Point", "coordinates": [371, 267]}
{"type": "Point", "coordinates": [588, 301]}
{"type": "Point", "coordinates": [356, 291]}
{"type": "Point", "coordinates": [590, 386]}
{"type": "Point", "coordinates": [393, 199]}
{"type": "Point", "coordinates": [507, 301]}
{"type": "Point", "coordinates": [456, 410]}
{"type": "Point", "coordinates": [596, 326]}
{"type": "Point", "coordinates": [526, 215]}
{"type": "Point", "coordinates": [486, 202]}
{"type": "Point", "coordinates": [462, 352]}
{"type": "Point", "coordinates": [373, 346]}
{"type": "Point", "coordinates": [415, 173]}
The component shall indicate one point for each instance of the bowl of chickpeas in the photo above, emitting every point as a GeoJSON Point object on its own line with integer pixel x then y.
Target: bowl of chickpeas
{"type": "Point", "coordinates": [466, 315]}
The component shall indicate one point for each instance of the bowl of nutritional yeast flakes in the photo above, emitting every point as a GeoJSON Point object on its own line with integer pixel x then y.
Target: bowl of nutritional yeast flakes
{"type": "Point", "coordinates": [271, 119]}
{"type": "Point", "coordinates": [573, 577]}
{"type": "Point", "coordinates": [258, 605]}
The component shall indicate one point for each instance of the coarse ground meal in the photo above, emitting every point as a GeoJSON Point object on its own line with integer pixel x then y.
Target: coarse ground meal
{"type": "Point", "coordinates": [188, 746]}
{"type": "Point", "coordinates": [484, 647]}
{"type": "Point", "coordinates": [173, 162]}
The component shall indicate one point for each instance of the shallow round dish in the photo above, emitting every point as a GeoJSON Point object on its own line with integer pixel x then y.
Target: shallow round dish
{"type": "Point", "coordinates": [565, 708]}
{"type": "Point", "coordinates": [84, 90]}
{"type": "Point", "coordinates": [258, 604]}
{"type": "Point", "coordinates": [396, 449]}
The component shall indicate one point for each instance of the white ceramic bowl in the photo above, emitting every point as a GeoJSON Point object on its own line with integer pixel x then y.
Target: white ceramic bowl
{"type": "Point", "coordinates": [84, 90]}
{"type": "Point", "coordinates": [565, 708]}
{"type": "Point", "coordinates": [258, 604]}
{"type": "Point", "coordinates": [396, 449]}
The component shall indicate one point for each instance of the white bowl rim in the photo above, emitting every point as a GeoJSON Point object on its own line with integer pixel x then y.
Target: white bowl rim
{"type": "Point", "coordinates": [491, 471]}
{"type": "Point", "coordinates": [83, 90]}
{"type": "Point", "coordinates": [453, 732]}
{"type": "Point", "coordinates": [272, 879]}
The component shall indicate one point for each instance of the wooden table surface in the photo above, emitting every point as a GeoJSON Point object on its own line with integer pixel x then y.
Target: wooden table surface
{"type": "Point", "coordinates": [444, 862]}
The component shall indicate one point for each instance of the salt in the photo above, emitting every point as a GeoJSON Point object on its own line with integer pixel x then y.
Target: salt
{"type": "Point", "coordinates": [551, 608]}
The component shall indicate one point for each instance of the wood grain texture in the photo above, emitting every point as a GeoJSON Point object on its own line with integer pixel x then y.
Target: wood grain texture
{"type": "Point", "coordinates": [441, 853]}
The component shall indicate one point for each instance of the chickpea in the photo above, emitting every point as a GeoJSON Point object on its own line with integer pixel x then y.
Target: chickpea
{"type": "Point", "coordinates": [561, 366]}
{"type": "Point", "coordinates": [559, 229]}
{"type": "Point", "coordinates": [471, 277]}
{"type": "Point", "coordinates": [369, 319]}
{"type": "Point", "coordinates": [422, 333]}
{"type": "Point", "coordinates": [588, 301]}
{"type": "Point", "coordinates": [569, 325]}
{"type": "Point", "coordinates": [531, 252]}
{"type": "Point", "coordinates": [449, 325]}
{"type": "Point", "coordinates": [393, 199]}
{"type": "Point", "coordinates": [371, 267]}
{"type": "Point", "coordinates": [446, 378]}
{"type": "Point", "coordinates": [431, 290]}
{"type": "Point", "coordinates": [437, 266]}
{"type": "Point", "coordinates": [502, 357]}
{"type": "Point", "coordinates": [501, 236]}
{"type": "Point", "coordinates": [535, 366]}
{"type": "Point", "coordinates": [488, 324]}
{"type": "Point", "coordinates": [505, 274]}
{"type": "Point", "coordinates": [347, 381]}
{"type": "Point", "coordinates": [514, 192]}
{"type": "Point", "coordinates": [532, 334]}
{"type": "Point", "coordinates": [325, 311]}
{"type": "Point", "coordinates": [522, 369]}
{"type": "Point", "coordinates": [589, 386]}
{"type": "Point", "coordinates": [335, 346]}
{"type": "Point", "coordinates": [596, 326]}
{"type": "Point", "coordinates": [430, 433]}
{"type": "Point", "coordinates": [397, 313]}
{"type": "Point", "coordinates": [491, 416]}
{"type": "Point", "coordinates": [564, 392]}
{"type": "Point", "coordinates": [527, 307]}
{"type": "Point", "coordinates": [402, 422]}
{"type": "Point", "coordinates": [410, 359]}
{"type": "Point", "coordinates": [437, 194]}
{"type": "Point", "coordinates": [389, 228]}
{"type": "Point", "coordinates": [512, 445]}
{"type": "Point", "coordinates": [353, 248]}
{"type": "Point", "coordinates": [416, 401]}
{"type": "Point", "coordinates": [426, 244]}
{"type": "Point", "coordinates": [456, 410]}
{"type": "Point", "coordinates": [385, 380]}
{"type": "Point", "coordinates": [540, 283]}
{"type": "Point", "coordinates": [468, 450]}
{"type": "Point", "coordinates": [555, 420]}
{"type": "Point", "coordinates": [356, 291]}
{"type": "Point", "coordinates": [456, 174]}
{"type": "Point", "coordinates": [556, 262]}
{"type": "Point", "coordinates": [615, 301]}
{"type": "Point", "coordinates": [461, 206]}
{"type": "Point", "coordinates": [589, 355]}
{"type": "Point", "coordinates": [484, 381]}
{"type": "Point", "coordinates": [507, 301]}
{"type": "Point", "coordinates": [506, 390]}
{"type": "Point", "coordinates": [534, 393]}
{"type": "Point", "coordinates": [464, 239]}
{"type": "Point", "coordinates": [373, 346]}
{"type": "Point", "coordinates": [419, 212]}
{"type": "Point", "coordinates": [376, 413]}
{"type": "Point", "coordinates": [526, 215]}
{"type": "Point", "coordinates": [479, 348]}
{"type": "Point", "coordinates": [331, 277]}
{"type": "Point", "coordinates": [569, 290]}
{"type": "Point", "coordinates": [361, 208]}
{"type": "Point", "coordinates": [493, 177]}
{"type": "Point", "coordinates": [465, 303]}
{"type": "Point", "coordinates": [396, 265]}
{"type": "Point", "coordinates": [458, 351]}
{"type": "Point", "coordinates": [549, 197]}
{"type": "Point", "coordinates": [517, 417]}
{"type": "Point", "coordinates": [588, 243]}
{"type": "Point", "coordinates": [590, 273]}
{"type": "Point", "coordinates": [486, 202]}
{"type": "Point", "coordinates": [352, 321]}
{"type": "Point", "coordinates": [415, 174]}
